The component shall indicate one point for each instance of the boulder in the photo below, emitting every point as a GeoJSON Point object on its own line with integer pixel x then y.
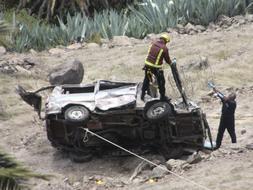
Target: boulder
{"type": "Point", "coordinates": [159, 172]}
{"type": "Point", "coordinates": [2, 50]}
{"type": "Point", "coordinates": [70, 72]}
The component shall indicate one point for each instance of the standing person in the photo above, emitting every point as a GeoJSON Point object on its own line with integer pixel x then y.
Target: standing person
{"type": "Point", "coordinates": [153, 64]}
{"type": "Point", "coordinates": [227, 120]}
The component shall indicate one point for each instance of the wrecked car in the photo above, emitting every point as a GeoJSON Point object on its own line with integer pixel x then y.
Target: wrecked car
{"type": "Point", "coordinates": [114, 111]}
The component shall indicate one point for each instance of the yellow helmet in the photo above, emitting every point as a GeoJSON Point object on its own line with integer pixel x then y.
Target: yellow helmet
{"type": "Point", "coordinates": [166, 37]}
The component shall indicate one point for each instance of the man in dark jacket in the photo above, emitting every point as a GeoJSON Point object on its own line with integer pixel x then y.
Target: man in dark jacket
{"type": "Point", "coordinates": [153, 64]}
{"type": "Point", "coordinates": [227, 120]}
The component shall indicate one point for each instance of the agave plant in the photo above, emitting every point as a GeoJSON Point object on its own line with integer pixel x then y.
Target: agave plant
{"type": "Point", "coordinates": [157, 16]}
{"type": "Point", "coordinates": [110, 23]}
{"type": "Point", "coordinates": [13, 175]}
{"type": "Point", "coordinates": [4, 28]}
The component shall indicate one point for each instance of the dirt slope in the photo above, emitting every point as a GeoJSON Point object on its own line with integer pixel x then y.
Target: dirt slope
{"type": "Point", "coordinates": [230, 59]}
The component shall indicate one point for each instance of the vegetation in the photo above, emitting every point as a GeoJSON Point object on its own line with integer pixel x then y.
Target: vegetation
{"type": "Point", "coordinates": [12, 175]}
{"type": "Point", "coordinates": [50, 8]}
{"type": "Point", "coordinates": [136, 21]}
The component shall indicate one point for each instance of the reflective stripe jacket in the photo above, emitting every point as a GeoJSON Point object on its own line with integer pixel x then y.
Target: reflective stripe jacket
{"type": "Point", "coordinates": [156, 53]}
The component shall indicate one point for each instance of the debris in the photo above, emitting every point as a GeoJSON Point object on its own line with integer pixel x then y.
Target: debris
{"type": "Point", "coordinates": [100, 182]}
{"type": "Point", "coordinates": [249, 146]}
{"type": "Point", "coordinates": [194, 158]}
{"type": "Point", "coordinates": [177, 165]}
{"type": "Point", "coordinates": [243, 131]}
{"type": "Point", "coordinates": [138, 170]}
{"type": "Point", "coordinates": [152, 180]}
{"type": "Point", "coordinates": [200, 64]}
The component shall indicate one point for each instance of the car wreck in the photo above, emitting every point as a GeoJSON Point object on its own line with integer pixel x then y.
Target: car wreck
{"type": "Point", "coordinates": [114, 111]}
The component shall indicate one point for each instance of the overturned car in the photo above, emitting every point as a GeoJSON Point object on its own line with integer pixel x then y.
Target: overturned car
{"type": "Point", "coordinates": [114, 111]}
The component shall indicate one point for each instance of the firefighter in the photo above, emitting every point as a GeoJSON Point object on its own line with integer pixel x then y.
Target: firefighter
{"type": "Point", "coordinates": [227, 120]}
{"type": "Point", "coordinates": [153, 65]}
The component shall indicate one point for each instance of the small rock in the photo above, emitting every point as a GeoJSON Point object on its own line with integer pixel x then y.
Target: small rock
{"type": "Point", "coordinates": [104, 41]}
{"type": "Point", "coordinates": [224, 21]}
{"type": "Point", "coordinates": [249, 146]}
{"type": "Point", "coordinates": [92, 45]}
{"type": "Point", "coordinates": [23, 70]}
{"type": "Point", "coordinates": [138, 180]}
{"type": "Point", "coordinates": [243, 131]}
{"type": "Point", "coordinates": [186, 166]}
{"type": "Point", "coordinates": [74, 46]}
{"type": "Point", "coordinates": [190, 29]}
{"type": "Point", "coordinates": [29, 63]}
{"type": "Point", "coordinates": [121, 41]}
{"type": "Point", "coordinates": [77, 186]}
{"type": "Point", "coordinates": [56, 51]}
{"type": "Point", "coordinates": [249, 17]}
{"type": "Point", "coordinates": [32, 51]}
{"type": "Point", "coordinates": [200, 64]}
{"type": "Point", "coordinates": [175, 165]}
{"type": "Point", "coordinates": [200, 28]}
{"type": "Point", "coordinates": [211, 27]}
{"type": "Point", "coordinates": [7, 68]}
{"type": "Point", "coordinates": [194, 158]}
{"type": "Point", "coordinates": [159, 172]}
{"type": "Point", "coordinates": [2, 50]}
{"type": "Point", "coordinates": [192, 32]}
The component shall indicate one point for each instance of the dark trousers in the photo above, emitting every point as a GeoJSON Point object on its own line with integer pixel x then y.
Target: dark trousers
{"type": "Point", "coordinates": [160, 80]}
{"type": "Point", "coordinates": [226, 122]}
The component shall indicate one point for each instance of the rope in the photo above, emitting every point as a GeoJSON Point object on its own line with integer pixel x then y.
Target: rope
{"type": "Point", "coordinates": [146, 160]}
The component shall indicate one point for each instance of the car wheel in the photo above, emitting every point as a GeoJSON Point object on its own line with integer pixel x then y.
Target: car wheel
{"type": "Point", "coordinates": [158, 111]}
{"type": "Point", "coordinates": [77, 114]}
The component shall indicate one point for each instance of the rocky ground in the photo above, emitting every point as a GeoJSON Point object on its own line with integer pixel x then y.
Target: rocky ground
{"type": "Point", "coordinates": [221, 53]}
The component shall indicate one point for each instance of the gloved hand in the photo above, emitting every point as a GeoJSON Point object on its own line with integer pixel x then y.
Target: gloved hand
{"type": "Point", "coordinates": [174, 62]}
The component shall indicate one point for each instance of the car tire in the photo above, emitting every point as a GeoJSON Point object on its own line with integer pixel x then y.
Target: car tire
{"type": "Point", "coordinates": [77, 114]}
{"type": "Point", "coordinates": [158, 111]}
{"type": "Point", "coordinates": [80, 158]}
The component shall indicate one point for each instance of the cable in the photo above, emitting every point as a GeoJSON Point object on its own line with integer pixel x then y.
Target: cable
{"type": "Point", "coordinates": [146, 160]}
